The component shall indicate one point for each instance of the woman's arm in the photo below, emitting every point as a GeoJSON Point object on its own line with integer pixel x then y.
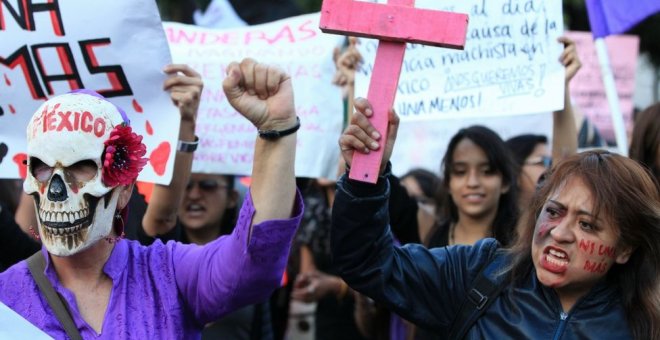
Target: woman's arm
{"type": "Point", "coordinates": [246, 266]}
{"type": "Point", "coordinates": [423, 286]}
{"type": "Point", "coordinates": [185, 87]}
{"type": "Point", "coordinates": [564, 130]}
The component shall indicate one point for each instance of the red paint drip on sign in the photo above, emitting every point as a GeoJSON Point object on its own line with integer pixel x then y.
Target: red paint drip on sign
{"type": "Point", "coordinates": [137, 107]}
{"type": "Point", "coordinates": [7, 81]}
{"type": "Point", "coordinates": [20, 161]}
{"type": "Point", "coordinates": [150, 130]}
{"type": "Point", "coordinates": [12, 109]}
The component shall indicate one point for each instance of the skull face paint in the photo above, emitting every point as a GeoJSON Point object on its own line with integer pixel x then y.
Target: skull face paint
{"type": "Point", "coordinates": [65, 160]}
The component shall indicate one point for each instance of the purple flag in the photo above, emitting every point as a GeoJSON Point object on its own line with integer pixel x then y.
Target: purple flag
{"type": "Point", "coordinates": [616, 16]}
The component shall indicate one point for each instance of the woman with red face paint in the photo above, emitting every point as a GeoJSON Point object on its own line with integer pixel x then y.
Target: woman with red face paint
{"type": "Point", "coordinates": [586, 266]}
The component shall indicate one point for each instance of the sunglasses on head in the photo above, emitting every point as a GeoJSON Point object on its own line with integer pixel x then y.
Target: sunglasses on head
{"type": "Point", "coordinates": [205, 185]}
{"type": "Point", "coordinates": [544, 161]}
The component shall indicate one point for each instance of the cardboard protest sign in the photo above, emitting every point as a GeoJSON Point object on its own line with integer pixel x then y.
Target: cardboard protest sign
{"type": "Point", "coordinates": [587, 88]}
{"type": "Point", "coordinates": [117, 48]}
{"type": "Point", "coordinates": [294, 44]}
{"type": "Point", "coordinates": [509, 64]}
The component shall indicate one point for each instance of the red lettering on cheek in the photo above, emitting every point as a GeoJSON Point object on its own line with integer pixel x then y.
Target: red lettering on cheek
{"type": "Point", "coordinates": [607, 251]}
{"type": "Point", "coordinates": [586, 246]}
{"type": "Point", "coordinates": [593, 267]}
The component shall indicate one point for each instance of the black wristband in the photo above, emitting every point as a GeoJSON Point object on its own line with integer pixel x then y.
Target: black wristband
{"type": "Point", "coordinates": [188, 146]}
{"type": "Point", "coordinates": [274, 134]}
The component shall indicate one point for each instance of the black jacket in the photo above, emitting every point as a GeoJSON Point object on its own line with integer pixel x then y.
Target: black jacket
{"type": "Point", "coordinates": [15, 245]}
{"type": "Point", "coordinates": [428, 287]}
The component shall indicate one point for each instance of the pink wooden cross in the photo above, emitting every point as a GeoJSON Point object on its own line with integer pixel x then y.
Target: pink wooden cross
{"type": "Point", "coordinates": [394, 24]}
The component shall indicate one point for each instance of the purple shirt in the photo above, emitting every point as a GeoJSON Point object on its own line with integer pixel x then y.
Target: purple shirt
{"type": "Point", "coordinates": [169, 291]}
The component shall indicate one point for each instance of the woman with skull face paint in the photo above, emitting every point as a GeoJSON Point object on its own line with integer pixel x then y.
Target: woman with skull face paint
{"type": "Point", "coordinates": [587, 266]}
{"type": "Point", "coordinates": [81, 180]}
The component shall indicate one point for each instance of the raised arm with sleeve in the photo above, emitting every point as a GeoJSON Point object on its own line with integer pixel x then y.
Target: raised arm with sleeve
{"type": "Point", "coordinates": [247, 265]}
{"type": "Point", "coordinates": [424, 286]}
{"type": "Point", "coordinates": [185, 87]}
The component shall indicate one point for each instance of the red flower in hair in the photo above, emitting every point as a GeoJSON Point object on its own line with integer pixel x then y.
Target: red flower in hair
{"type": "Point", "coordinates": [122, 158]}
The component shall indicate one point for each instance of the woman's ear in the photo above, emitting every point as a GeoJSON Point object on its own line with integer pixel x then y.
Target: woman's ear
{"type": "Point", "coordinates": [125, 192]}
{"type": "Point", "coordinates": [623, 255]}
{"type": "Point", "coordinates": [505, 188]}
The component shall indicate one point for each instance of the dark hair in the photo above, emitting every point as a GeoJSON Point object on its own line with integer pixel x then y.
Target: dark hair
{"type": "Point", "coordinates": [629, 197]}
{"type": "Point", "coordinates": [10, 194]}
{"type": "Point", "coordinates": [427, 180]}
{"type": "Point", "coordinates": [228, 221]}
{"type": "Point", "coordinates": [500, 160]}
{"type": "Point", "coordinates": [646, 138]}
{"type": "Point", "coordinates": [522, 146]}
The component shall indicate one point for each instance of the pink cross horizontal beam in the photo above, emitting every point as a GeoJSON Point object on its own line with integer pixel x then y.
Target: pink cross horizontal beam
{"type": "Point", "coordinates": [393, 24]}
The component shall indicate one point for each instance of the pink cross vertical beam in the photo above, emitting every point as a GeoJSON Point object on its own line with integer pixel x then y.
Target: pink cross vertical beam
{"type": "Point", "coordinates": [394, 24]}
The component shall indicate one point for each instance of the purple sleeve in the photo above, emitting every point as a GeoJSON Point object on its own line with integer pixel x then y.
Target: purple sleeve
{"type": "Point", "coordinates": [237, 269]}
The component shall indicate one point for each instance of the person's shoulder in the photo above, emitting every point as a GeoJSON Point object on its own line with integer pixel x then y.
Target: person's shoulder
{"type": "Point", "coordinates": [16, 271]}
{"type": "Point", "coordinates": [15, 282]}
{"type": "Point", "coordinates": [474, 257]}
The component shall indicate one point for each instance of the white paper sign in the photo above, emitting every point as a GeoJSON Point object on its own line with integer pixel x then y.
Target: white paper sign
{"type": "Point", "coordinates": [507, 78]}
{"type": "Point", "coordinates": [509, 64]}
{"type": "Point", "coordinates": [117, 48]}
{"type": "Point", "coordinates": [14, 326]}
{"type": "Point", "coordinates": [297, 46]}
{"type": "Point", "coordinates": [423, 144]}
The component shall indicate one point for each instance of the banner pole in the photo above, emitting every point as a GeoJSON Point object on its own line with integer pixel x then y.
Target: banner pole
{"type": "Point", "coordinates": [612, 97]}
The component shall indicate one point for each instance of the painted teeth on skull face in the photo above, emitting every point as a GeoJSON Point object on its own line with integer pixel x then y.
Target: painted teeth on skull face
{"type": "Point", "coordinates": [65, 224]}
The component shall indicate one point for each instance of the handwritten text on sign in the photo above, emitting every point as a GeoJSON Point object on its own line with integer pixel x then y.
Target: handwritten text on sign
{"type": "Point", "coordinates": [509, 65]}
{"type": "Point", "coordinates": [424, 143]}
{"type": "Point", "coordinates": [55, 47]}
{"type": "Point", "coordinates": [295, 45]}
{"type": "Point", "coordinates": [587, 89]}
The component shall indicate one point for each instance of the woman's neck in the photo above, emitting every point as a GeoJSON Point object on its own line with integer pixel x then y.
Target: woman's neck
{"type": "Point", "coordinates": [469, 230]}
{"type": "Point", "coordinates": [84, 266]}
{"type": "Point", "coordinates": [202, 236]}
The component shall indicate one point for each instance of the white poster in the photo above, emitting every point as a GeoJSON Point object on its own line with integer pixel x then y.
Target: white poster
{"type": "Point", "coordinates": [117, 48]}
{"type": "Point", "coordinates": [14, 326]}
{"type": "Point", "coordinates": [423, 144]}
{"type": "Point", "coordinates": [509, 64]}
{"type": "Point", "coordinates": [294, 44]}
{"type": "Point", "coordinates": [507, 78]}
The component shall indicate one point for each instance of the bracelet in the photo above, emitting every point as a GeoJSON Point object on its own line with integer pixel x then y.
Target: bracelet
{"type": "Point", "coordinates": [343, 289]}
{"type": "Point", "coordinates": [188, 146]}
{"type": "Point", "coordinates": [274, 134]}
